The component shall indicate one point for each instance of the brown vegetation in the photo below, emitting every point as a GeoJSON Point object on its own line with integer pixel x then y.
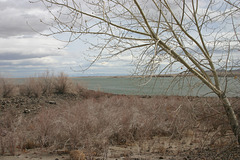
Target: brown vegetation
{"type": "Point", "coordinates": [43, 85]}
{"type": "Point", "coordinates": [92, 121]}
{"type": "Point", "coordinates": [77, 155]}
{"type": "Point", "coordinates": [7, 89]}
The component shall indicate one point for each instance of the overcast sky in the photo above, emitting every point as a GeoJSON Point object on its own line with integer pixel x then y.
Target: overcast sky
{"type": "Point", "coordinates": [24, 52]}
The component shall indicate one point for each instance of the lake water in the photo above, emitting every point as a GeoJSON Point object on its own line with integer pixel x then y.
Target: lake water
{"type": "Point", "coordinates": [188, 86]}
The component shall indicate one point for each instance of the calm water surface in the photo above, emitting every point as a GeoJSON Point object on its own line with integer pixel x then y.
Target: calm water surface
{"type": "Point", "coordinates": [188, 86]}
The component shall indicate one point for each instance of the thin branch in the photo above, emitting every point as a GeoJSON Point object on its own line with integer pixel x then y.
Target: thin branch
{"type": "Point", "coordinates": [98, 18]}
{"type": "Point", "coordinates": [153, 35]}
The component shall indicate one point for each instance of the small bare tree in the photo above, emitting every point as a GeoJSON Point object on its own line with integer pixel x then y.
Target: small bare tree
{"type": "Point", "coordinates": [195, 34]}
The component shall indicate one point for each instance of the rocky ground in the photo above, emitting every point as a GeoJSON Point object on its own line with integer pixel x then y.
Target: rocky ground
{"type": "Point", "coordinates": [156, 148]}
{"type": "Point", "coordinates": [26, 105]}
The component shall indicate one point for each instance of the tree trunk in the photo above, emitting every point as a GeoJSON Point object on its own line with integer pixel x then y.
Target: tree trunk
{"type": "Point", "coordinates": [231, 117]}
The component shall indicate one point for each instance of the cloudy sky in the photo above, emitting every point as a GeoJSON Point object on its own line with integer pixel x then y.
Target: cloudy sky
{"type": "Point", "coordinates": [24, 52]}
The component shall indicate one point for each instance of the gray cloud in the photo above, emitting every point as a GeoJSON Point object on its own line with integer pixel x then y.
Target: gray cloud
{"type": "Point", "coordinates": [19, 17]}
{"type": "Point", "coordinates": [25, 47]}
{"type": "Point", "coordinates": [17, 56]}
{"type": "Point", "coordinates": [5, 64]}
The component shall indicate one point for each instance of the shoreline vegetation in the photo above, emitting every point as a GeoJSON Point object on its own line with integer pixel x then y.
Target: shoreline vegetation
{"type": "Point", "coordinates": [54, 114]}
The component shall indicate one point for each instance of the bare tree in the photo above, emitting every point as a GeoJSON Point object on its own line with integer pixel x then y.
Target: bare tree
{"type": "Point", "coordinates": [195, 34]}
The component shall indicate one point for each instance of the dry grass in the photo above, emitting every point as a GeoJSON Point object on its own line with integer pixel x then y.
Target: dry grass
{"type": "Point", "coordinates": [77, 155]}
{"type": "Point", "coordinates": [100, 120]}
{"type": "Point", "coordinates": [47, 84]}
{"type": "Point", "coordinates": [8, 138]}
{"type": "Point", "coordinates": [62, 84]}
{"type": "Point", "coordinates": [7, 88]}
{"type": "Point", "coordinates": [31, 88]}
{"type": "Point", "coordinates": [95, 123]}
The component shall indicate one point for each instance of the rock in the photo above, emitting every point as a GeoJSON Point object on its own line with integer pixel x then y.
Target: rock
{"type": "Point", "coordinates": [52, 102]}
{"type": "Point", "coordinates": [26, 110]}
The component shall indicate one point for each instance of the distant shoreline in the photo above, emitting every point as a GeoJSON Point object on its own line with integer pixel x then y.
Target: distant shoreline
{"type": "Point", "coordinates": [162, 75]}
{"type": "Point", "coordinates": [220, 74]}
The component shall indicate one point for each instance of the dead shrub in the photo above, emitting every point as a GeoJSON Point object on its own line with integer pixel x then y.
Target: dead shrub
{"type": "Point", "coordinates": [11, 143]}
{"type": "Point", "coordinates": [202, 119]}
{"type": "Point", "coordinates": [62, 84]}
{"type": "Point", "coordinates": [77, 155]}
{"type": "Point", "coordinates": [46, 84]}
{"type": "Point", "coordinates": [43, 128]}
{"type": "Point", "coordinates": [8, 144]}
{"type": "Point", "coordinates": [8, 137]}
{"type": "Point", "coordinates": [46, 81]}
{"type": "Point", "coordinates": [2, 146]}
{"type": "Point", "coordinates": [7, 89]}
{"type": "Point", "coordinates": [31, 88]}
{"type": "Point", "coordinates": [29, 144]}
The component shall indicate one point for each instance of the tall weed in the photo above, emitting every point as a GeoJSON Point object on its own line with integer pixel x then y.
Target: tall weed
{"type": "Point", "coordinates": [62, 84]}
{"type": "Point", "coordinates": [31, 88]}
{"type": "Point", "coordinates": [7, 88]}
{"type": "Point", "coordinates": [46, 82]}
